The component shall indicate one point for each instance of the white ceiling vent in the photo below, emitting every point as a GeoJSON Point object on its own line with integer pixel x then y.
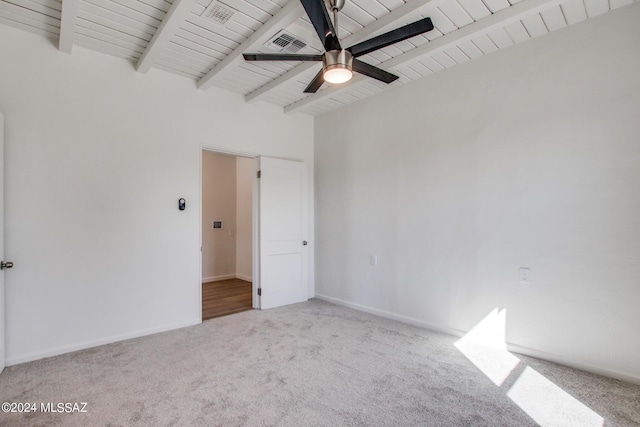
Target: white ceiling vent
{"type": "Point", "coordinates": [285, 42]}
{"type": "Point", "coordinates": [218, 12]}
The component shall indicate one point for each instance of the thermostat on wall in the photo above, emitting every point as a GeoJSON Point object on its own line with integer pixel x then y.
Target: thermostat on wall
{"type": "Point", "coordinates": [217, 224]}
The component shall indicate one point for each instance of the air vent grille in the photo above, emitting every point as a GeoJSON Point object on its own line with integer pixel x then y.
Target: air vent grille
{"type": "Point", "coordinates": [218, 12]}
{"type": "Point", "coordinates": [285, 42]}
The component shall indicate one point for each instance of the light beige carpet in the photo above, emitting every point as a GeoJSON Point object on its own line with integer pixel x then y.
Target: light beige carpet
{"type": "Point", "coordinates": [310, 364]}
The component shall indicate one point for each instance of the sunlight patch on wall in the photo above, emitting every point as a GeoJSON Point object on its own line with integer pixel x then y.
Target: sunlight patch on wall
{"type": "Point", "coordinates": [486, 347]}
{"type": "Point", "coordinates": [548, 404]}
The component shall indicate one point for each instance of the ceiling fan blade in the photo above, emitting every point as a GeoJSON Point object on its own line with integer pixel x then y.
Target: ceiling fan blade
{"type": "Point", "coordinates": [280, 57]}
{"type": "Point", "coordinates": [371, 71]}
{"type": "Point", "coordinates": [394, 36]}
{"type": "Point", "coordinates": [319, 17]}
{"type": "Point", "coordinates": [315, 83]}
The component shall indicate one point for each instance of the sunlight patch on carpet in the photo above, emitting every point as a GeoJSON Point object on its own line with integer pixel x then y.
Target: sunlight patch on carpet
{"type": "Point", "coordinates": [548, 404]}
{"type": "Point", "coordinates": [485, 346]}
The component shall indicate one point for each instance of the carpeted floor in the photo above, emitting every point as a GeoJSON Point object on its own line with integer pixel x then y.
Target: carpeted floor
{"type": "Point", "coordinates": [309, 364]}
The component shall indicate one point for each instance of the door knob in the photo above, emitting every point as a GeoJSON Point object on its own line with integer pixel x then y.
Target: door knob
{"type": "Point", "coordinates": [4, 265]}
{"type": "Point", "coordinates": [304, 243]}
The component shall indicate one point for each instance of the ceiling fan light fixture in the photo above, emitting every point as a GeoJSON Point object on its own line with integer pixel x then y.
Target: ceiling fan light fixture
{"type": "Point", "coordinates": [337, 66]}
{"type": "Point", "coordinates": [337, 74]}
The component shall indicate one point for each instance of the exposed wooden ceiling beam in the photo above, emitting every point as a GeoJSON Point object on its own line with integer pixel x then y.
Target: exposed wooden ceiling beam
{"type": "Point", "coordinates": [282, 19]}
{"type": "Point", "coordinates": [375, 28]}
{"type": "Point", "coordinates": [273, 84]}
{"type": "Point", "coordinates": [67, 25]}
{"type": "Point", "coordinates": [172, 21]}
{"type": "Point", "coordinates": [497, 20]}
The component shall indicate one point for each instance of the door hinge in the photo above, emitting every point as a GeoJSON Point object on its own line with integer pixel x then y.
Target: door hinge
{"type": "Point", "coordinates": [259, 174]}
{"type": "Point", "coordinates": [259, 291]}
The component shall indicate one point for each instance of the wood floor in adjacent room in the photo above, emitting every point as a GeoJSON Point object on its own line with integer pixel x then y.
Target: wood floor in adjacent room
{"type": "Point", "coordinates": [226, 297]}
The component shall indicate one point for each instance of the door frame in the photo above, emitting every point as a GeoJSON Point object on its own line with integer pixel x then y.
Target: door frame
{"type": "Point", "coordinates": [255, 223]}
{"type": "Point", "coordinates": [3, 307]}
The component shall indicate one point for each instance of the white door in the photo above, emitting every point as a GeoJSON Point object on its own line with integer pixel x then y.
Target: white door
{"type": "Point", "coordinates": [283, 232]}
{"type": "Point", "coordinates": [2, 344]}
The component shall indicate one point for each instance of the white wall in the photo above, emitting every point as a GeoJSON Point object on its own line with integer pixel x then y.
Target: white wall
{"type": "Point", "coordinates": [526, 157]}
{"type": "Point", "coordinates": [244, 217]}
{"type": "Point", "coordinates": [97, 157]}
{"type": "Point", "coordinates": [218, 204]}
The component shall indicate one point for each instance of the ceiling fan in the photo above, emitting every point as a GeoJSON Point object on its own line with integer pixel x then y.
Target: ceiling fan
{"type": "Point", "coordinates": [338, 64]}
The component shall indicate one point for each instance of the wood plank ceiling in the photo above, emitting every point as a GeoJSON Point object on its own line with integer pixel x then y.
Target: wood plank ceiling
{"type": "Point", "coordinates": [203, 40]}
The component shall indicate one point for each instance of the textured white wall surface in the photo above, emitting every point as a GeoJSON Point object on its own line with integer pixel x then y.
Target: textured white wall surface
{"type": "Point", "coordinates": [526, 157]}
{"type": "Point", "coordinates": [97, 157]}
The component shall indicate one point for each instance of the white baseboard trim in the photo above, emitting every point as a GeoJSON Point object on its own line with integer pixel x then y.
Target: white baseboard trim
{"type": "Point", "coordinates": [227, 277]}
{"type": "Point", "coordinates": [245, 278]}
{"type": "Point", "coordinates": [392, 316]}
{"type": "Point", "coordinates": [30, 357]}
{"type": "Point", "coordinates": [605, 372]}
{"type": "Point", "coordinates": [218, 278]}
{"type": "Point", "coordinates": [624, 376]}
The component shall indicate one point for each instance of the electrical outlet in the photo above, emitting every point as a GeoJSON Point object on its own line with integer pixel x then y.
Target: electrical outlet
{"type": "Point", "coordinates": [525, 275]}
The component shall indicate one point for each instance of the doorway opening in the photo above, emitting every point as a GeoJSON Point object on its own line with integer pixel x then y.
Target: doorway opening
{"type": "Point", "coordinates": [227, 234]}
